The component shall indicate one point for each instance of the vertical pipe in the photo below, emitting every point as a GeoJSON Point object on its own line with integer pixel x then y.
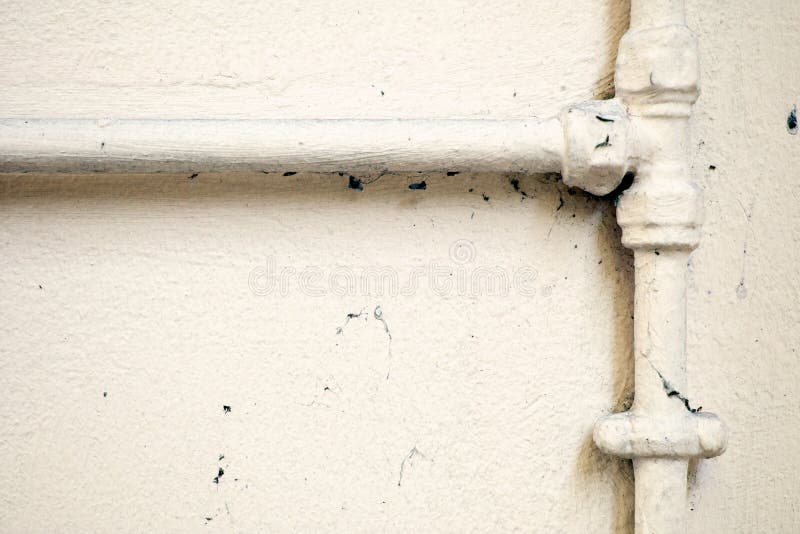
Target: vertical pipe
{"type": "Point", "coordinates": [660, 330]}
{"type": "Point", "coordinates": [654, 13]}
{"type": "Point", "coordinates": [660, 501]}
{"type": "Point", "coordinates": [660, 215]}
{"type": "Point", "coordinates": [660, 306]}
{"type": "Point", "coordinates": [659, 341]}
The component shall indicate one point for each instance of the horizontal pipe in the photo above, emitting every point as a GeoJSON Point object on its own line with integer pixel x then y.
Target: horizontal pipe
{"type": "Point", "coordinates": [79, 145]}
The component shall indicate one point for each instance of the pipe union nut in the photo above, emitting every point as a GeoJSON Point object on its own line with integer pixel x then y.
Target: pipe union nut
{"type": "Point", "coordinates": [657, 70]}
{"type": "Point", "coordinates": [595, 146]}
{"type": "Point", "coordinates": [661, 202]}
{"type": "Point", "coordinates": [663, 212]}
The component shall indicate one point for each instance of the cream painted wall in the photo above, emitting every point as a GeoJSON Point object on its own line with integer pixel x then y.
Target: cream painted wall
{"type": "Point", "coordinates": [744, 317]}
{"type": "Point", "coordinates": [129, 317]}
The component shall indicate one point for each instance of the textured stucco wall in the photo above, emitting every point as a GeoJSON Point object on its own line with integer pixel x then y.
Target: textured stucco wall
{"type": "Point", "coordinates": [131, 310]}
{"type": "Point", "coordinates": [744, 316]}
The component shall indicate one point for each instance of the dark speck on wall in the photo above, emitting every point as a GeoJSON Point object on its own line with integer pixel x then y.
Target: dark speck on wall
{"type": "Point", "coordinates": [289, 173]}
{"type": "Point", "coordinates": [226, 408]}
{"type": "Point", "coordinates": [712, 167]}
{"type": "Point", "coordinates": [791, 121]}
{"type": "Point", "coordinates": [471, 190]}
{"type": "Point", "coordinates": [105, 394]}
{"type": "Point", "coordinates": [219, 475]}
{"type": "Point", "coordinates": [485, 198]}
{"type": "Point", "coordinates": [418, 185]}
{"type": "Point", "coordinates": [452, 173]}
{"type": "Point", "coordinates": [193, 176]}
{"type": "Point", "coordinates": [355, 183]}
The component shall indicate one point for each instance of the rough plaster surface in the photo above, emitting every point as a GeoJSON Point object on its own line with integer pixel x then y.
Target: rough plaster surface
{"type": "Point", "coordinates": [145, 295]}
{"type": "Point", "coordinates": [488, 409]}
{"type": "Point", "coordinates": [305, 58]}
{"type": "Point", "coordinates": [744, 320]}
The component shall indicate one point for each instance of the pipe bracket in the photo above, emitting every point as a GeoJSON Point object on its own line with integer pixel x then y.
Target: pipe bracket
{"type": "Point", "coordinates": [631, 435]}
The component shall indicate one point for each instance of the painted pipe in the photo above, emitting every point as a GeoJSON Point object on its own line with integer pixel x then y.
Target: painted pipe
{"type": "Point", "coordinates": [656, 79]}
{"type": "Point", "coordinates": [586, 144]}
{"type": "Point", "coordinates": [293, 145]}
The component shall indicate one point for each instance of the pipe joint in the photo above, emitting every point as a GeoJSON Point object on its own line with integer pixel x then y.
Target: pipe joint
{"type": "Point", "coordinates": [657, 71]}
{"type": "Point", "coordinates": [661, 213]}
{"type": "Point", "coordinates": [630, 435]}
{"type": "Point", "coordinates": [595, 156]}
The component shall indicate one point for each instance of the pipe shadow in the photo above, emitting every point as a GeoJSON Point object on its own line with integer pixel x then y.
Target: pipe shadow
{"type": "Point", "coordinates": [591, 462]}
{"type": "Point", "coordinates": [617, 13]}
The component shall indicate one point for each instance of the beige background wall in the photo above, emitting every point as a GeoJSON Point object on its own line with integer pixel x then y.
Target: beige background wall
{"type": "Point", "coordinates": [133, 308]}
